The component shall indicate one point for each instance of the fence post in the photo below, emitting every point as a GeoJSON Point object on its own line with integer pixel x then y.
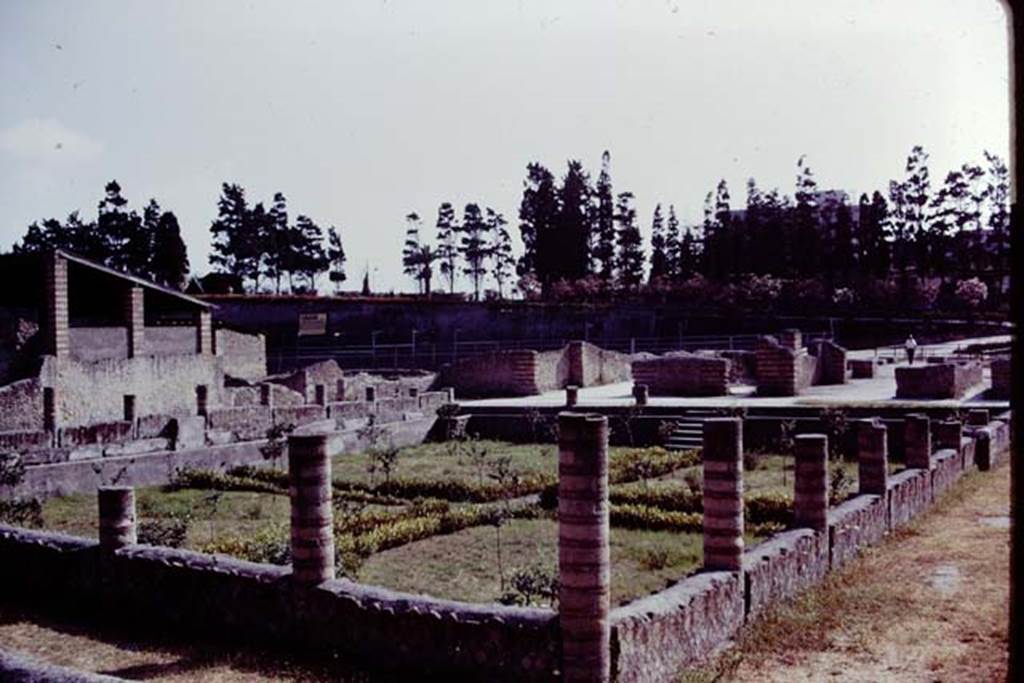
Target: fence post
{"type": "Point", "coordinates": [810, 495]}
{"type": "Point", "coordinates": [312, 526]}
{"type": "Point", "coordinates": [583, 556]}
{"type": "Point", "coordinates": [723, 494]}
{"type": "Point", "coordinates": [117, 517]}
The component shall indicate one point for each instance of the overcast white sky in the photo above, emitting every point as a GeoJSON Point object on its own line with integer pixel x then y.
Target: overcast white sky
{"type": "Point", "coordinates": [363, 111]}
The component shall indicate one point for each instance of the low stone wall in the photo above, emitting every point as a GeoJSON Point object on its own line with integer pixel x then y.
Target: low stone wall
{"type": "Point", "coordinates": [683, 374]}
{"type": "Point", "coordinates": [590, 365]}
{"type": "Point", "coordinates": [21, 405]}
{"type": "Point", "coordinates": [497, 373]}
{"type": "Point", "coordinates": [19, 441]}
{"type": "Point", "coordinates": [937, 381]}
{"type": "Point", "coordinates": [1001, 378]}
{"type": "Point", "coordinates": [654, 637]}
{"type": "Point", "coordinates": [857, 523]}
{"type": "Point", "coordinates": [245, 423]}
{"type": "Point", "coordinates": [946, 466]}
{"type": "Point", "coordinates": [782, 566]}
{"type": "Point", "coordinates": [217, 596]}
{"type": "Point", "coordinates": [241, 355]}
{"type": "Point", "coordinates": [910, 493]}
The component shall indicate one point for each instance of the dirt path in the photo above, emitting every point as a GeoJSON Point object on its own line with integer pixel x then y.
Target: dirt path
{"type": "Point", "coordinates": [929, 604]}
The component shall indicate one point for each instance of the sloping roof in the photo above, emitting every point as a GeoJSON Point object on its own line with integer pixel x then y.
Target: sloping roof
{"type": "Point", "coordinates": [75, 258]}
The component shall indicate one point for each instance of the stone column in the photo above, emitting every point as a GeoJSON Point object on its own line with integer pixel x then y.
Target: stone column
{"type": "Point", "coordinates": [371, 394]}
{"type": "Point", "coordinates": [723, 494]}
{"type": "Point", "coordinates": [129, 408]}
{"type": "Point", "coordinates": [583, 559]}
{"type": "Point", "coordinates": [202, 398]}
{"type": "Point", "coordinates": [135, 320]}
{"type": "Point", "coordinates": [204, 333]}
{"type": "Point", "coordinates": [947, 434]}
{"type": "Point", "coordinates": [872, 457]}
{"type": "Point", "coordinates": [49, 409]}
{"type": "Point", "coordinates": [572, 396]}
{"type": "Point", "coordinates": [117, 517]}
{"type": "Point", "coordinates": [55, 333]}
{"type": "Point", "coordinates": [810, 499]}
{"type": "Point", "coordinates": [917, 441]}
{"type": "Point", "coordinates": [312, 530]}
{"type": "Point", "coordinates": [320, 394]}
{"type": "Point", "coordinates": [266, 395]}
{"type": "Point", "coordinates": [640, 393]}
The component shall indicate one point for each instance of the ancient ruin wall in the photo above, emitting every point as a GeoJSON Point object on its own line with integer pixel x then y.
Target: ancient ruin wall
{"type": "Point", "coordinates": [680, 374]}
{"type": "Point", "coordinates": [1001, 378]}
{"type": "Point", "coordinates": [938, 381]}
{"type": "Point", "coordinates": [783, 371]}
{"type": "Point", "coordinates": [241, 355]}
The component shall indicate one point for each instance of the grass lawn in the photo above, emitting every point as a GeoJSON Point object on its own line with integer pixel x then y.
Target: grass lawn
{"type": "Point", "coordinates": [464, 565]}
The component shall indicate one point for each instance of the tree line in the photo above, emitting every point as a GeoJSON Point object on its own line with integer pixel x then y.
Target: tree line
{"type": "Point", "coordinates": [147, 244]}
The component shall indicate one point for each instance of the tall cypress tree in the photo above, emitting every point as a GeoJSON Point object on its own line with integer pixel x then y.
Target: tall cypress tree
{"type": "Point", "coordinates": [169, 262]}
{"type": "Point", "coordinates": [916, 196]}
{"type": "Point", "coordinates": [474, 246]}
{"type": "Point", "coordinates": [537, 213]}
{"type": "Point", "coordinates": [807, 222]}
{"type": "Point", "coordinates": [500, 250]}
{"type": "Point", "coordinates": [630, 263]}
{"type": "Point", "coordinates": [274, 241]}
{"type": "Point", "coordinates": [604, 223]}
{"type": "Point", "coordinates": [673, 244]}
{"type": "Point", "coordinates": [336, 257]}
{"type": "Point", "coordinates": [572, 224]}
{"type": "Point", "coordinates": [659, 257]}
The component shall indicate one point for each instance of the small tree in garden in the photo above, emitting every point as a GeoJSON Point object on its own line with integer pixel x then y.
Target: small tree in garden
{"type": "Point", "coordinates": [532, 586]}
{"type": "Point", "coordinates": [508, 479]}
{"type": "Point", "coordinates": [836, 426]}
{"type": "Point", "coordinates": [384, 460]}
{"type": "Point", "coordinates": [476, 452]}
{"type": "Point", "coordinates": [971, 293]}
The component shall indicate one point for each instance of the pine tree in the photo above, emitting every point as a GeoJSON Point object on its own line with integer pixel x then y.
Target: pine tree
{"type": "Point", "coordinates": [807, 222]}
{"type": "Point", "coordinates": [872, 244]}
{"type": "Point", "coordinates": [896, 226]}
{"type": "Point", "coordinates": [604, 223]}
{"type": "Point", "coordinates": [500, 250]}
{"type": "Point", "coordinates": [126, 242]}
{"type": "Point", "coordinates": [916, 196]}
{"type": "Point", "coordinates": [997, 199]}
{"type": "Point", "coordinates": [411, 264]}
{"type": "Point", "coordinates": [659, 257]}
{"type": "Point", "coordinates": [169, 263]}
{"type": "Point", "coordinates": [572, 224]}
{"type": "Point", "coordinates": [630, 263]}
{"type": "Point", "coordinates": [474, 246]}
{"type": "Point", "coordinates": [235, 249]}
{"type": "Point", "coordinates": [310, 259]}
{"type": "Point", "coordinates": [673, 245]}
{"type": "Point", "coordinates": [336, 258]}
{"type": "Point", "coordinates": [537, 212]}
{"type": "Point", "coordinates": [447, 244]}
{"type": "Point", "coordinates": [274, 241]}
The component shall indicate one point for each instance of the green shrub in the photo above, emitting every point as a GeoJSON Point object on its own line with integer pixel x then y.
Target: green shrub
{"type": "Point", "coordinates": [533, 586]}
{"type": "Point", "coordinates": [655, 519]}
{"type": "Point", "coordinates": [24, 512]}
{"type": "Point", "coordinates": [269, 544]}
{"type": "Point", "coordinates": [674, 498]}
{"type": "Point", "coordinates": [168, 532]}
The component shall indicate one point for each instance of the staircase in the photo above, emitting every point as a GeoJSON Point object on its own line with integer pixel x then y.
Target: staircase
{"type": "Point", "coordinates": [689, 431]}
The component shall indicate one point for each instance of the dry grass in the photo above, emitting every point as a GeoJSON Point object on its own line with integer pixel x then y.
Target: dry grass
{"type": "Point", "coordinates": [883, 617]}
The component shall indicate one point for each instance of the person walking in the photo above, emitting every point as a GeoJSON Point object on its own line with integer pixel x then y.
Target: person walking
{"type": "Point", "coordinates": [911, 347]}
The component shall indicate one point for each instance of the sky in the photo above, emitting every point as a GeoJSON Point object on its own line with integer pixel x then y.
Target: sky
{"type": "Point", "coordinates": [360, 112]}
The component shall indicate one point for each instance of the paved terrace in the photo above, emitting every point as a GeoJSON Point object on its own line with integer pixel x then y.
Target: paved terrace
{"type": "Point", "coordinates": [856, 392]}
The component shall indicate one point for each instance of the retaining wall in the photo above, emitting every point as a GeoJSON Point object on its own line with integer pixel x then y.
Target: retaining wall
{"type": "Point", "coordinates": [1001, 378]}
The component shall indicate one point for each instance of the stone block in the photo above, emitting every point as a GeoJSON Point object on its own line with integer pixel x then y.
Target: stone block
{"type": "Point", "coordinates": [189, 432]}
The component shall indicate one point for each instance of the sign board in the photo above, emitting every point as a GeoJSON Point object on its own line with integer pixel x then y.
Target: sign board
{"type": "Point", "coordinates": [312, 324]}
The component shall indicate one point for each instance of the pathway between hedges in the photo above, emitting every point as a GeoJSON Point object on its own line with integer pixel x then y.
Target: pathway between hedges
{"type": "Point", "coordinates": [929, 604]}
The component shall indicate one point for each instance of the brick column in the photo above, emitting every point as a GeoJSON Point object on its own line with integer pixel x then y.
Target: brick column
{"type": "Point", "coordinates": [204, 333]}
{"type": "Point", "coordinates": [266, 395]}
{"type": "Point", "coordinates": [791, 339]}
{"type": "Point", "coordinates": [135, 320]}
{"type": "Point", "coordinates": [947, 434]}
{"type": "Point", "coordinates": [202, 398]}
{"type": "Point", "coordinates": [872, 457]}
{"type": "Point", "coordinates": [56, 337]}
{"type": "Point", "coordinates": [117, 517]}
{"type": "Point", "coordinates": [723, 494]}
{"type": "Point", "coordinates": [49, 409]}
{"type": "Point", "coordinates": [371, 394]}
{"type": "Point", "coordinates": [572, 396]}
{"type": "Point", "coordinates": [320, 394]}
{"type": "Point", "coordinates": [917, 441]}
{"type": "Point", "coordinates": [583, 559]}
{"type": "Point", "coordinates": [640, 393]}
{"type": "Point", "coordinates": [312, 530]}
{"type": "Point", "coordinates": [810, 499]}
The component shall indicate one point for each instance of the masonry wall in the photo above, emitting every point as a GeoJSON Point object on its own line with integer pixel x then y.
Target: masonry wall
{"type": "Point", "coordinates": [1001, 378]}
{"type": "Point", "coordinates": [21, 405]}
{"type": "Point", "coordinates": [216, 596]}
{"type": "Point", "coordinates": [683, 374]}
{"type": "Point", "coordinates": [937, 381]}
{"type": "Point", "coordinates": [241, 355]}
{"type": "Point", "coordinates": [782, 371]}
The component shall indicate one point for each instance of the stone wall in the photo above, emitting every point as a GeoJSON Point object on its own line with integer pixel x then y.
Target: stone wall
{"type": "Point", "coordinates": [910, 493]}
{"type": "Point", "coordinates": [654, 637]}
{"type": "Point", "coordinates": [241, 355]}
{"type": "Point", "coordinates": [683, 374]}
{"type": "Point", "coordinates": [938, 381]}
{"type": "Point", "coordinates": [831, 365]}
{"type": "Point", "coordinates": [21, 405]}
{"type": "Point", "coordinates": [857, 523]}
{"type": "Point", "coordinates": [782, 566]}
{"type": "Point", "coordinates": [224, 598]}
{"type": "Point", "coordinates": [590, 365]}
